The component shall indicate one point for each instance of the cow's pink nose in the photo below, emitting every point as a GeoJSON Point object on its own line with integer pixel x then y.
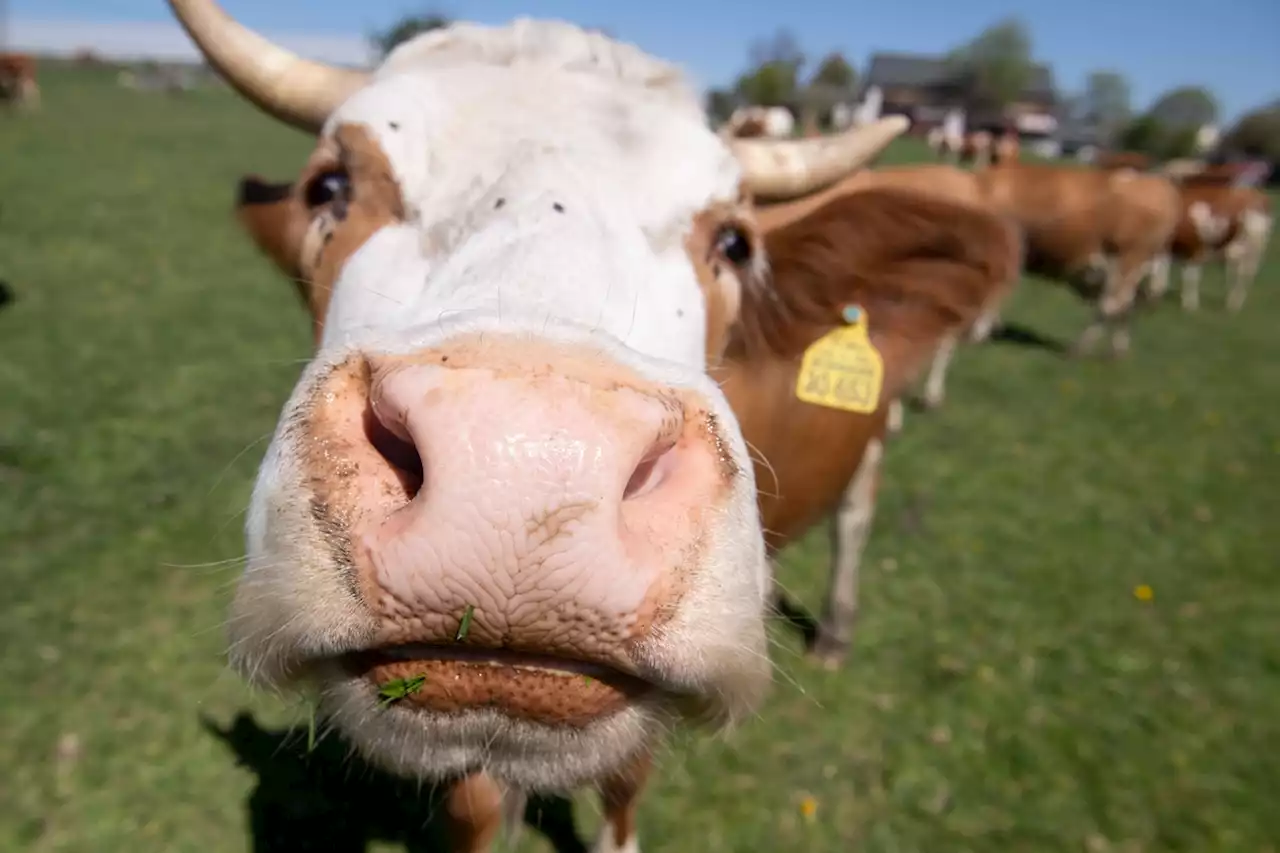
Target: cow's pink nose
{"type": "Point", "coordinates": [549, 509]}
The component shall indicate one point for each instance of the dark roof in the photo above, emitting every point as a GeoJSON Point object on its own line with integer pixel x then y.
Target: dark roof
{"type": "Point", "coordinates": [913, 69]}
{"type": "Point", "coordinates": [907, 69]}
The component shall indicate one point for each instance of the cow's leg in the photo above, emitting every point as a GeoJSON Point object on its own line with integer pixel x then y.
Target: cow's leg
{"type": "Point", "coordinates": [1158, 278]}
{"type": "Point", "coordinates": [1118, 303]}
{"type": "Point", "coordinates": [1249, 249]}
{"type": "Point", "coordinates": [620, 795]}
{"type": "Point", "coordinates": [1191, 272]}
{"type": "Point", "coordinates": [474, 809]}
{"type": "Point", "coordinates": [850, 526]}
{"type": "Point", "coordinates": [893, 421]}
{"type": "Point", "coordinates": [935, 391]}
{"type": "Point", "coordinates": [984, 325]}
{"type": "Point", "coordinates": [1115, 306]}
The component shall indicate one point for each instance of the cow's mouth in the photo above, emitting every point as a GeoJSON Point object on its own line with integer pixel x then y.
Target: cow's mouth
{"type": "Point", "coordinates": [537, 688]}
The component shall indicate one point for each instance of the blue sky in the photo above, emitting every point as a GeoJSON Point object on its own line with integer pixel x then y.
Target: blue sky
{"type": "Point", "coordinates": [1232, 46]}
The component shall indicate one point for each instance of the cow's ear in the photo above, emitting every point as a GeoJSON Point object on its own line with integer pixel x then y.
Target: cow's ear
{"type": "Point", "coordinates": [276, 220]}
{"type": "Point", "coordinates": [918, 268]}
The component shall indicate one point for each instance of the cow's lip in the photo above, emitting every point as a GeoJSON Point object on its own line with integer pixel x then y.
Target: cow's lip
{"type": "Point", "coordinates": [480, 656]}
{"type": "Point", "coordinates": [537, 688]}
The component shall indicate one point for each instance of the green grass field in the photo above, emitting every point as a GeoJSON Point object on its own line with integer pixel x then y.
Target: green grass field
{"type": "Point", "coordinates": [1008, 690]}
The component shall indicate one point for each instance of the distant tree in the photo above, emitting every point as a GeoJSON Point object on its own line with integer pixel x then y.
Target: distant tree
{"type": "Point", "coordinates": [1106, 102]}
{"type": "Point", "coordinates": [1145, 134]}
{"type": "Point", "coordinates": [405, 29]}
{"type": "Point", "coordinates": [836, 72]}
{"type": "Point", "coordinates": [720, 105]}
{"type": "Point", "coordinates": [781, 48]}
{"type": "Point", "coordinates": [1185, 107]}
{"type": "Point", "coordinates": [998, 62]}
{"type": "Point", "coordinates": [1256, 134]}
{"type": "Point", "coordinates": [773, 77]}
{"type": "Point", "coordinates": [773, 84]}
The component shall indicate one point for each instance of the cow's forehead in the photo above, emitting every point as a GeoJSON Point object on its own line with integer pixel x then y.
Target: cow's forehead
{"type": "Point", "coordinates": [451, 133]}
{"type": "Point", "coordinates": [541, 194]}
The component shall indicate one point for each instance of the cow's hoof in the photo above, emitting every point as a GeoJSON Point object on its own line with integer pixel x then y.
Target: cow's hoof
{"type": "Point", "coordinates": [829, 652]}
{"type": "Point", "coordinates": [932, 402]}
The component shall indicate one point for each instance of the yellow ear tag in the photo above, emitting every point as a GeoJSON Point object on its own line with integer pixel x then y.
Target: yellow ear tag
{"type": "Point", "coordinates": [841, 369]}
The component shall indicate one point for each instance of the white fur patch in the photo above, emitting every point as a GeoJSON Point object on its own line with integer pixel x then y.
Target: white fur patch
{"type": "Point", "coordinates": [1210, 228]}
{"type": "Point", "coordinates": [533, 161]}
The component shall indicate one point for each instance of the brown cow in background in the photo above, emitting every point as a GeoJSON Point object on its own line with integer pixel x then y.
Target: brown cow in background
{"type": "Point", "coordinates": [1219, 220]}
{"type": "Point", "coordinates": [18, 80]}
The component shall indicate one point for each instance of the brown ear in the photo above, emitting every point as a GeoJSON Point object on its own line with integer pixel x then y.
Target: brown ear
{"type": "Point", "coordinates": [275, 220]}
{"type": "Point", "coordinates": [920, 268]}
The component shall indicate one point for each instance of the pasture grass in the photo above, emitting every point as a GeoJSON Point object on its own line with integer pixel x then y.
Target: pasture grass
{"type": "Point", "coordinates": [1010, 689]}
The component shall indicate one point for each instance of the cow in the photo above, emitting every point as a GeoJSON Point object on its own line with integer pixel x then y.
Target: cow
{"type": "Point", "coordinates": [1005, 149]}
{"type": "Point", "coordinates": [976, 149]}
{"type": "Point", "coordinates": [753, 122]}
{"type": "Point", "coordinates": [18, 80]}
{"type": "Point", "coordinates": [948, 138]}
{"type": "Point", "coordinates": [1218, 219]}
{"type": "Point", "coordinates": [508, 520]}
{"type": "Point", "coordinates": [1100, 231]}
{"type": "Point", "coordinates": [1110, 160]}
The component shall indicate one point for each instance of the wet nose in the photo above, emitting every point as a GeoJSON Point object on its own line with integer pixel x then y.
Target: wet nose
{"type": "Point", "coordinates": [560, 510]}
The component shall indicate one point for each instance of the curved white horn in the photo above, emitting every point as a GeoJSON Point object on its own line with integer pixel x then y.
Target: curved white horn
{"type": "Point", "coordinates": [778, 170]}
{"type": "Point", "coordinates": [295, 90]}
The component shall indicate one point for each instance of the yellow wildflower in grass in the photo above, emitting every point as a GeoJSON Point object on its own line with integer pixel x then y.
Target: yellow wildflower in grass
{"type": "Point", "coordinates": [1142, 592]}
{"type": "Point", "coordinates": [808, 807]}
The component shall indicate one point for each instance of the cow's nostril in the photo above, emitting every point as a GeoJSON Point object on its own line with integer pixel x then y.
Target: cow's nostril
{"type": "Point", "coordinates": [652, 471]}
{"type": "Point", "coordinates": [400, 454]}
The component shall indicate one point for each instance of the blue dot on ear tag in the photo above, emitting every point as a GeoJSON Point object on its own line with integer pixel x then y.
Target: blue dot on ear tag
{"type": "Point", "coordinates": [852, 313]}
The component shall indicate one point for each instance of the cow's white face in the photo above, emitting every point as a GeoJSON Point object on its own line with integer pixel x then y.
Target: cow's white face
{"type": "Point", "coordinates": [523, 244]}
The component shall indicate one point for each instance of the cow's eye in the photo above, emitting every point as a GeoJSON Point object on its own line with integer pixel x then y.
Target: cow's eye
{"type": "Point", "coordinates": [733, 243]}
{"type": "Point", "coordinates": [333, 185]}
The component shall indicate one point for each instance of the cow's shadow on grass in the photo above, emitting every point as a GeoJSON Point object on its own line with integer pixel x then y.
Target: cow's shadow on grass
{"type": "Point", "coordinates": [1024, 336]}
{"type": "Point", "coordinates": [325, 799]}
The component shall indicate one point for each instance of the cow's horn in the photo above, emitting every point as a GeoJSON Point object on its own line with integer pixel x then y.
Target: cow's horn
{"type": "Point", "coordinates": [777, 170]}
{"type": "Point", "coordinates": [295, 90]}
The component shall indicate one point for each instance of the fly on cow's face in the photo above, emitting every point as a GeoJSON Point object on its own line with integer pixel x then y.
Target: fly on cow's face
{"type": "Point", "coordinates": [330, 187]}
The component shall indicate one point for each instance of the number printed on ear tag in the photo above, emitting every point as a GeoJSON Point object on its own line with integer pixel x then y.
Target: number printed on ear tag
{"type": "Point", "coordinates": [842, 369]}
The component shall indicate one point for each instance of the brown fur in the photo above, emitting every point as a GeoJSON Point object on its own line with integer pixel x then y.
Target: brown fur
{"type": "Point", "coordinates": [721, 281]}
{"type": "Point", "coordinates": [1109, 160]}
{"type": "Point", "coordinates": [1070, 214]}
{"type": "Point", "coordinates": [1223, 201]}
{"type": "Point", "coordinates": [1006, 148]}
{"type": "Point", "coordinates": [919, 267]}
{"type": "Point", "coordinates": [311, 246]}
{"type": "Point", "coordinates": [1241, 253]}
{"type": "Point", "coordinates": [976, 148]}
{"type": "Point", "coordinates": [18, 78]}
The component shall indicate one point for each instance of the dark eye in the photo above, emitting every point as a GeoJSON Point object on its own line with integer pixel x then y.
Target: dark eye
{"type": "Point", "coordinates": [734, 244]}
{"type": "Point", "coordinates": [328, 187]}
